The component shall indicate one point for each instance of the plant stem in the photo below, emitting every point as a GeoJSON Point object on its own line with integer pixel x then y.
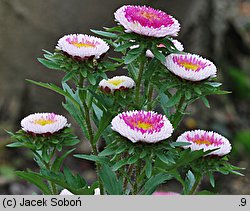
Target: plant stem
{"type": "Point", "coordinates": [129, 171]}
{"type": "Point", "coordinates": [138, 83]}
{"type": "Point", "coordinates": [150, 95]}
{"type": "Point", "coordinates": [196, 184]}
{"type": "Point", "coordinates": [179, 111]}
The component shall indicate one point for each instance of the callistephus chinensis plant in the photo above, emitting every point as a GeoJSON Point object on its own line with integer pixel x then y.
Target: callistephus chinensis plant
{"type": "Point", "coordinates": [140, 149]}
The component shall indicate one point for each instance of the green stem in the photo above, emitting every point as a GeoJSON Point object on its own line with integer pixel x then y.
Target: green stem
{"type": "Point", "coordinates": [179, 110]}
{"type": "Point", "coordinates": [138, 83]}
{"type": "Point", "coordinates": [195, 186]}
{"type": "Point", "coordinates": [150, 95]}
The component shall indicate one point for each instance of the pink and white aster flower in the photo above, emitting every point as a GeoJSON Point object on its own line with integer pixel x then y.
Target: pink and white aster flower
{"type": "Point", "coordinates": [44, 123]}
{"type": "Point", "coordinates": [147, 21]}
{"type": "Point", "coordinates": [66, 192]}
{"type": "Point", "coordinates": [116, 83]}
{"type": "Point", "coordinates": [177, 44]}
{"type": "Point", "coordinates": [190, 66]}
{"type": "Point", "coordinates": [162, 193]}
{"type": "Point", "coordinates": [142, 126]}
{"type": "Point", "coordinates": [206, 140]}
{"type": "Point", "coordinates": [81, 46]}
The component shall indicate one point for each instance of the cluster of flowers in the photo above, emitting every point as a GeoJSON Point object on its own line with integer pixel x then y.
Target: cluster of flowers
{"type": "Point", "coordinates": [138, 126]}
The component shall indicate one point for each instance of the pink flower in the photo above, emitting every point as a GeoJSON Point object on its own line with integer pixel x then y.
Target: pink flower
{"type": "Point", "coordinates": [147, 21]}
{"type": "Point", "coordinates": [142, 126]}
{"type": "Point", "coordinates": [162, 193]}
{"type": "Point", "coordinates": [206, 140]}
{"type": "Point", "coordinates": [190, 66]}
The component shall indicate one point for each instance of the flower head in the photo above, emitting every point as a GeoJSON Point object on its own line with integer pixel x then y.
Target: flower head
{"type": "Point", "coordinates": [206, 140]}
{"type": "Point", "coordinates": [177, 44]}
{"type": "Point", "coordinates": [43, 123]}
{"type": "Point", "coordinates": [144, 126]}
{"type": "Point", "coordinates": [81, 46]}
{"type": "Point", "coordinates": [190, 66]}
{"type": "Point", "coordinates": [116, 83]}
{"type": "Point", "coordinates": [65, 192]}
{"type": "Point", "coordinates": [147, 21]}
{"type": "Point", "coordinates": [162, 193]}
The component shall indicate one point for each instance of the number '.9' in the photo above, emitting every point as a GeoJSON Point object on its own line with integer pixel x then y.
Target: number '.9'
{"type": "Point", "coordinates": [243, 201]}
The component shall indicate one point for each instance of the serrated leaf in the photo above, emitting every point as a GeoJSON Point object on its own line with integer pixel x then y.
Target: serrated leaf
{"type": "Point", "coordinates": [112, 185]}
{"type": "Point", "coordinates": [151, 185]}
{"type": "Point", "coordinates": [36, 179]}
{"type": "Point", "coordinates": [158, 54]}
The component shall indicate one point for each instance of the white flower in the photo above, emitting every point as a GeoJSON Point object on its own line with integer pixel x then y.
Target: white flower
{"type": "Point", "coordinates": [190, 66]}
{"type": "Point", "coordinates": [65, 192]}
{"type": "Point", "coordinates": [42, 123]}
{"type": "Point", "coordinates": [81, 46]}
{"type": "Point", "coordinates": [147, 21]}
{"type": "Point", "coordinates": [116, 83]}
{"type": "Point", "coordinates": [144, 126]}
{"type": "Point", "coordinates": [206, 140]}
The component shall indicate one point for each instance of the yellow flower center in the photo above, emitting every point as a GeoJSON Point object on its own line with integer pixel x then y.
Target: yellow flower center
{"type": "Point", "coordinates": [44, 122]}
{"type": "Point", "coordinates": [85, 45]}
{"type": "Point", "coordinates": [200, 142]}
{"type": "Point", "coordinates": [149, 16]}
{"type": "Point", "coordinates": [116, 82]}
{"type": "Point", "coordinates": [143, 125]}
{"type": "Point", "coordinates": [189, 65]}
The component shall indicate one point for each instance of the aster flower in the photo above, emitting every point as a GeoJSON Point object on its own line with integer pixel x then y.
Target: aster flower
{"type": "Point", "coordinates": [116, 83]}
{"type": "Point", "coordinates": [206, 140]}
{"type": "Point", "coordinates": [190, 66]}
{"type": "Point", "coordinates": [147, 21]}
{"type": "Point", "coordinates": [177, 44]}
{"type": "Point", "coordinates": [81, 46]}
{"type": "Point", "coordinates": [65, 192]}
{"type": "Point", "coordinates": [43, 123]}
{"type": "Point", "coordinates": [162, 193]}
{"type": "Point", "coordinates": [142, 126]}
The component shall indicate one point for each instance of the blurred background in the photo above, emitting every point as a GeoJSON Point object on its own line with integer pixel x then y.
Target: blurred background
{"type": "Point", "coordinates": [216, 29]}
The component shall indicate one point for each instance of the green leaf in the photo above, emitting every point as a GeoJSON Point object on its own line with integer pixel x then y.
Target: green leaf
{"type": "Point", "coordinates": [123, 46]}
{"type": "Point", "coordinates": [148, 168]}
{"type": "Point", "coordinates": [15, 144]}
{"type": "Point", "coordinates": [197, 90]}
{"type": "Point", "coordinates": [179, 144]}
{"type": "Point", "coordinates": [107, 152]}
{"type": "Point", "coordinates": [119, 164]}
{"type": "Point", "coordinates": [49, 64]}
{"type": "Point", "coordinates": [188, 95]}
{"type": "Point", "coordinates": [211, 179]}
{"type": "Point", "coordinates": [36, 179]}
{"type": "Point", "coordinates": [133, 159]}
{"type": "Point", "coordinates": [189, 182]}
{"type": "Point", "coordinates": [59, 160]}
{"type": "Point", "coordinates": [69, 75]}
{"type": "Point", "coordinates": [70, 179]}
{"type": "Point", "coordinates": [151, 185]}
{"type": "Point", "coordinates": [112, 185]}
{"type": "Point", "coordinates": [205, 101]}
{"type": "Point", "coordinates": [129, 58]}
{"type": "Point", "coordinates": [54, 88]}
{"type": "Point", "coordinates": [92, 158]}
{"type": "Point", "coordinates": [158, 54]}
{"type": "Point", "coordinates": [163, 158]}
{"type": "Point", "coordinates": [174, 100]}
{"type": "Point", "coordinates": [104, 34]}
